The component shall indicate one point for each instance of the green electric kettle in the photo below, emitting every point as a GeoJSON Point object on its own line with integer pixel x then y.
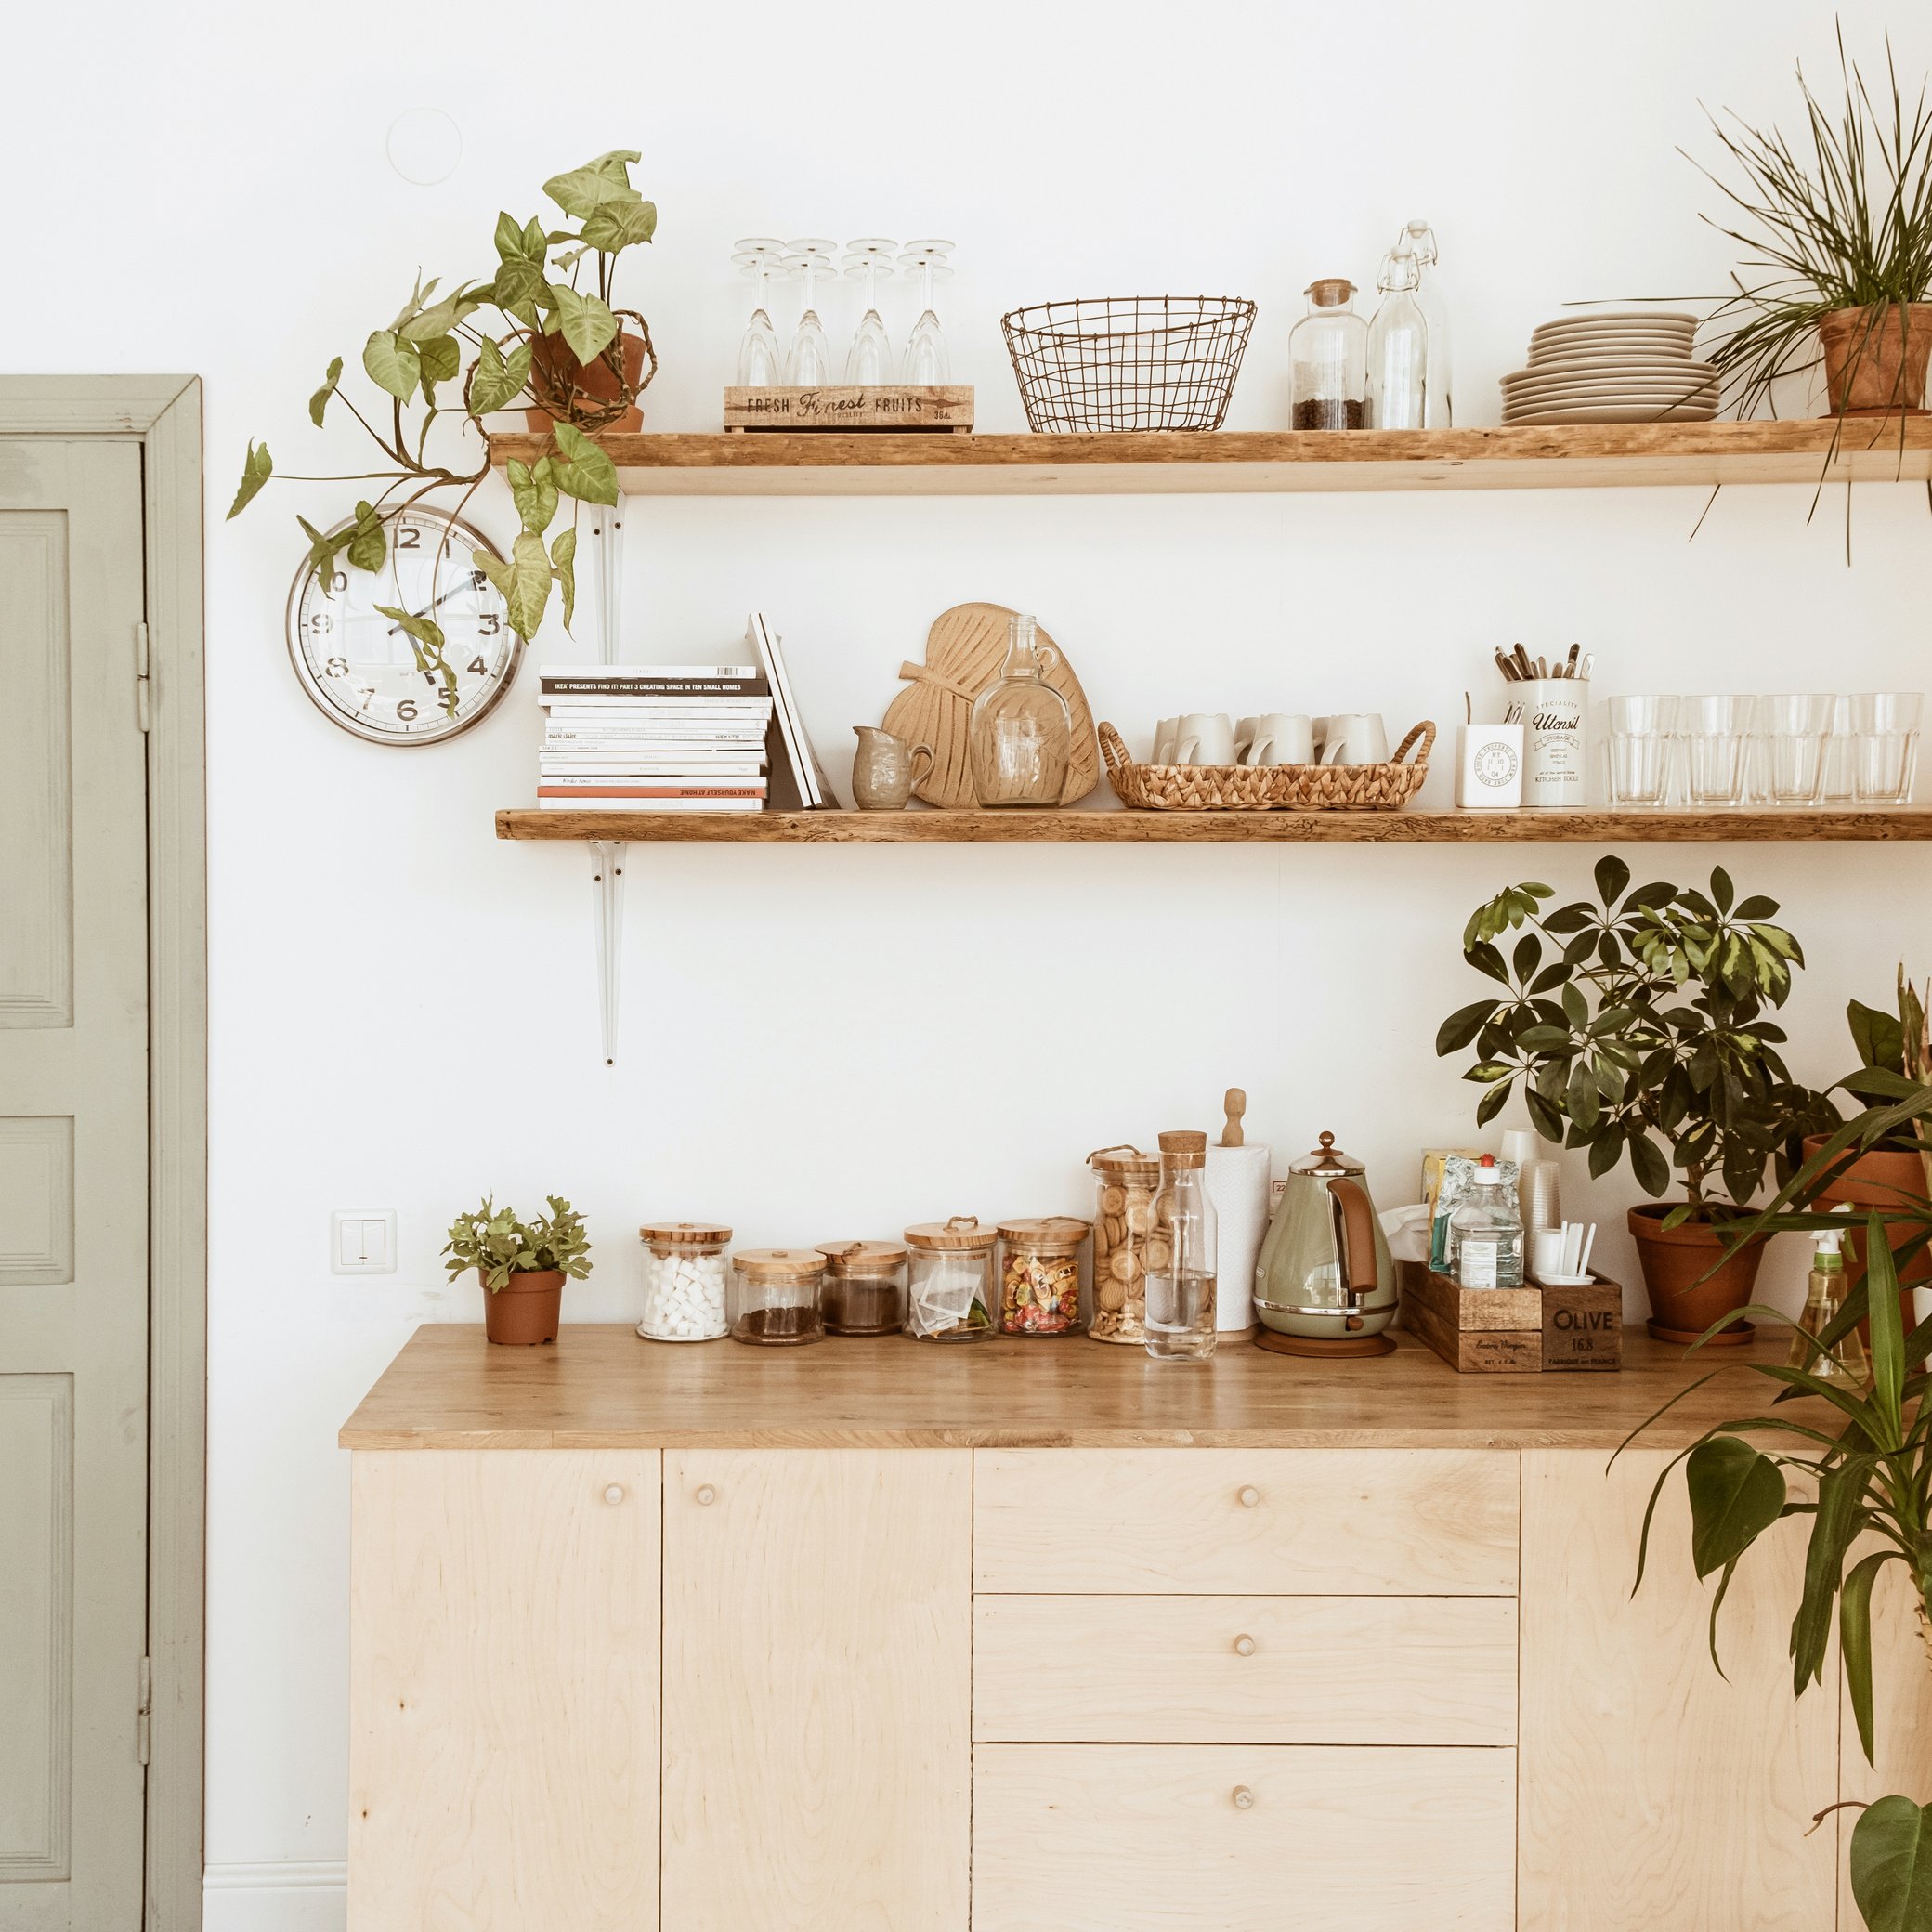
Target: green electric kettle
{"type": "Point", "coordinates": [1326, 1284]}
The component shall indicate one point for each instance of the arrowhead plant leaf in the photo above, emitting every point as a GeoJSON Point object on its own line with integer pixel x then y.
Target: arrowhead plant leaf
{"type": "Point", "coordinates": [257, 469]}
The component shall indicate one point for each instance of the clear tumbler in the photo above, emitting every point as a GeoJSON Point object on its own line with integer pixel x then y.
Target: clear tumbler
{"type": "Point", "coordinates": [1639, 743]}
{"type": "Point", "coordinates": [1793, 732]}
{"type": "Point", "coordinates": [1885, 748]}
{"type": "Point", "coordinates": [1716, 734]}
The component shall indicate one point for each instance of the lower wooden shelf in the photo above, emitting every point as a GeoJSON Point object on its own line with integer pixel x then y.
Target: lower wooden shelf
{"type": "Point", "coordinates": [1104, 828]}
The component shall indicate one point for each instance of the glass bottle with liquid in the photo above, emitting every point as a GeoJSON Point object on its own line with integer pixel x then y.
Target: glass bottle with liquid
{"type": "Point", "coordinates": [1487, 1234]}
{"type": "Point", "coordinates": [1398, 347]}
{"type": "Point", "coordinates": [1181, 1292]}
{"type": "Point", "coordinates": [1824, 1300]}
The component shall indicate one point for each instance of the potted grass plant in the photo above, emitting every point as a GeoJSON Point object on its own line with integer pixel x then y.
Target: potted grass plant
{"type": "Point", "coordinates": [1638, 1025]}
{"type": "Point", "coordinates": [522, 1265]}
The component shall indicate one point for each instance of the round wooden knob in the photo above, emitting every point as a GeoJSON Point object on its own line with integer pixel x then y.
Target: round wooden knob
{"type": "Point", "coordinates": [1250, 1496]}
{"type": "Point", "coordinates": [1244, 1645]}
{"type": "Point", "coordinates": [706, 1493]}
{"type": "Point", "coordinates": [1243, 1798]}
{"type": "Point", "coordinates": [614, 1494]}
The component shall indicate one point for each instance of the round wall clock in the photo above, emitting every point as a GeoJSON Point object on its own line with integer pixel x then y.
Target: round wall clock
{"type": "Point", "coordinates": [359, 666]}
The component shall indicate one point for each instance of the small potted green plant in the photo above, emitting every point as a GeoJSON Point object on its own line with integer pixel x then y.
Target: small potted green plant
{"type": "Point", "coordinates": [1637, 1026]}
{"type": "Point", "coordinates": [522, 1265]}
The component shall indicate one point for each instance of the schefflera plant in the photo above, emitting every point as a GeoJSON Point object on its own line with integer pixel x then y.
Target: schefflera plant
{"type": "Point", "coordinates": [470, 352]}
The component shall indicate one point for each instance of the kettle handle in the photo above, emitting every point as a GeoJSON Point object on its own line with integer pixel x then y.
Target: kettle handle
{"type": "Point", "coordinates": [1357, 1227]}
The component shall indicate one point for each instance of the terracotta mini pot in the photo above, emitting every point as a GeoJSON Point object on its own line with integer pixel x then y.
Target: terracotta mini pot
{"type": "Point", "coordinates": [525, 1310]}
{"type": "Point", "coordinates": [555, 367]}
{"type": "Point", "coordinates": [1676, 1263]}
{"type": "Point", "coordinates": [1886, 1176]}
{"type": "Point", "coordinates": [1874, 360]}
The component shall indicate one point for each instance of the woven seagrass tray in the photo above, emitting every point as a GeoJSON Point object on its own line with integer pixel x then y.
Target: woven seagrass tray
{"type": "Point", "coordinates": [1270, 788]}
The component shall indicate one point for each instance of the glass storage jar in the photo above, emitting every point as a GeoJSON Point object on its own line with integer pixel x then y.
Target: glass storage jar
{"type": "Point", "coordinates": [1040, 1275]}
{"type": "Point", "coordinates": [773, 1297]}
{"type": "Point", "coordinates": [1125, 1241]}
{"type": "Point", "coordinates": [1020, 739]}
{"type": "Point", "coordinates": [1328, 354]}
{"type": "Point", "coordinates": [950, 1280]}
{"type": "Point", "coordinates": [684, 1280]}
{"type": "Point", "coordinates": [864, 1289]}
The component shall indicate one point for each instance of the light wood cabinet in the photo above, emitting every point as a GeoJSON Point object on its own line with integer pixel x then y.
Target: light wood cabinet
{"type": "Point", "coordinates": [817, 1683]}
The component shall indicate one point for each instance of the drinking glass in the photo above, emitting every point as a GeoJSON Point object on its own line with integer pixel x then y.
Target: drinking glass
{"type": "Point", "coordinates": [759, 362]}
{"type": "Point", "coordinates": [1639, 741]}
{"type": "Point", "coordinates": [1717, 734]}
{"type": "Point", "coordinates": [1839, 785]}
{"type": "Point", "coordinates": [926, 361]}
{"type": "Point", "coordinates": [1886, 733]}
{"type": "Point", "coordinates": [1791, 734]}
{"type": "Point", "coordinates": [808, 364]}
{"type": "Point", "coordinates": [870, 361]}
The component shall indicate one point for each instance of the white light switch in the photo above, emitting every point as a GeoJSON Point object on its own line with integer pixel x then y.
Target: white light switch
{"type": "Point", "coordinates": [362, 1241]}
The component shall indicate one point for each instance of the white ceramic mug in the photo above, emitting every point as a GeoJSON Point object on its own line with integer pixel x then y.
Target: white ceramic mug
{"type": "Point", "coordinates": [1355, 737]}
{"type": "Point", "coordinates": [1282, 737]}
{"type": "Point", "coordinates": [1245, 730]}
{"type": "Point", "coordinates": [1206, 738]}
{"type": "Point", "coordinates": [1164, 735]}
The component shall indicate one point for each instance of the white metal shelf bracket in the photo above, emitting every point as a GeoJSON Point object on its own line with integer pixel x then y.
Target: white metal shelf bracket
{"type": "Point", "coordinates": [607, 855]}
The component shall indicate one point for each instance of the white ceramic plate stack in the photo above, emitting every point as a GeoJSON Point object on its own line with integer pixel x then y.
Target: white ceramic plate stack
{"type": "Point", "coordinates": [1616, 366]}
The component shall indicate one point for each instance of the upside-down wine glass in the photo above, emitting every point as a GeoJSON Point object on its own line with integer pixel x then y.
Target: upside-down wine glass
{"type": "Point", "coordinates": [809, 363]}
{"type": "Point", "coordinates": [870, 363]}
{"type": "Point", "coordinates": [925, 361]}
{"type": "Point", "coordinates": [759, 361]}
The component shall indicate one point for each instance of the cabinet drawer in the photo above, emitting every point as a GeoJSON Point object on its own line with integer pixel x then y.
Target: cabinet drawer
{"type": "Point", "coordinates": [1241, 1838]}
{"type": "Point", "coordinates": [1249, 1521]}
{"type": "Point", "coordinates": [1260, 1670]}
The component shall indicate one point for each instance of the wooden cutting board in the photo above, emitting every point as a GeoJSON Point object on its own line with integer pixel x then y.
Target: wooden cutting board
{"type": "Point", "coordinates": [965, 650]}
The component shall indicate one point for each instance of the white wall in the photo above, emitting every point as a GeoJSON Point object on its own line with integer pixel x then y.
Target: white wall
{"type": "Point", "coordinates": [848, 1039]}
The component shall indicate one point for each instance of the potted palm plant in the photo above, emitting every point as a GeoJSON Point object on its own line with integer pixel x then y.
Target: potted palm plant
{"type": "Point", "coordinates": [1638, 1025]}
{"type": "Point", "coordinates": [521, 1264]}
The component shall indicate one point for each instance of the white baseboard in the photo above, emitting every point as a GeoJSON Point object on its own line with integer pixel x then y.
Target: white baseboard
{"type": "Point", "coordinates": [278, 1896]}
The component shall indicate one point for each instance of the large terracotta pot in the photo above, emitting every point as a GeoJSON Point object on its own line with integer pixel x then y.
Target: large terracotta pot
{"type": "Point", "coordinates": [1874, 360]}
{"type": "Point", "coordinates": [1886, 1176]}
{"type": "Point", "coordinates": [524, 1312]}
{"type": "Point", "coordinates": [1686, 1298]}
{"type": "Point", "coordinates": [553, 366]}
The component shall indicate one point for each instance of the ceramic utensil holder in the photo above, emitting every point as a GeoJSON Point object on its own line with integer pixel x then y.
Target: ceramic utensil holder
{"type": "Point", "coordinates": [1553, 711]}
{"type": "Point", "coordinates": [1489, 768]}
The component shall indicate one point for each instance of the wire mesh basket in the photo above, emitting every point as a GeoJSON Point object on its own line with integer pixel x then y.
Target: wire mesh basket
{"type": "Point", "coordinates": [1128, 361]}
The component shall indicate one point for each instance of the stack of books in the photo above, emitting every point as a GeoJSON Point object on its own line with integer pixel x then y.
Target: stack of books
{"type": "Point", "coordinates": [653, 737]}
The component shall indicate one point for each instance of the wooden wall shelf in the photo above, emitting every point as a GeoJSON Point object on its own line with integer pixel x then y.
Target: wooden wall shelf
{"type": "Point", "coordinates": [1231, 461]}
{"type": "Point", "coordinates": [923, 827]}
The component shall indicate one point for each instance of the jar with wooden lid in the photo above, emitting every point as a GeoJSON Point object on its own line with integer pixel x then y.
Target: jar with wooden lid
{"type": "Point", "coordinates": [864, 1288]}
{"type": "Point", "coordinates": [773, 1296]}
{"type": "Point", "coordinates": [684, 1280]}
{"type": "Point", "coordinates": [1125, 1242]}
{"type": "Point", "coordinates": [1040, 1275]}
{"type": "Point", "coordinates": [949, 1280]}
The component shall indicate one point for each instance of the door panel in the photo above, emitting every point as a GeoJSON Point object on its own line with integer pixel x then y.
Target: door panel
{"type": "Point", "coordinates": [73, 1188]}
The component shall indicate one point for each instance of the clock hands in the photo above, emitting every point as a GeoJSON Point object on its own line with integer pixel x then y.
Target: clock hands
{"type": "Point", "coordinates": [454, 590]}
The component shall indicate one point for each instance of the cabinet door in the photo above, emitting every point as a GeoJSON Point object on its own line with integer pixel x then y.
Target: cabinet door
{"type": "Point", "coordinates": [504, 1690]}
{"type": "Point", "coordinates": [818, 1664]}
{"type": "Point", "coordinates": [1654, 1792]}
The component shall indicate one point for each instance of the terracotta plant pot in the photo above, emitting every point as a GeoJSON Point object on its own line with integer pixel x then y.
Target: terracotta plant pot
{"type": "Point", "coordinates": [525, 1310]}
{"type": "Point", "coordinates": [1886, 1176]}
{"type": "Point", "coordinates": [1675, 1261]}
{"type": "Point", "coordinates": [554, 368]}
{"type": "Point", "coordinates": [1874, 360]}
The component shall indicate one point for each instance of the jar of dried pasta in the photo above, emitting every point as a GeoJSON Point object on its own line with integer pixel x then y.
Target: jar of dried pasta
{"type": "Point", "coordinates": [949, 1290]}
{"type": "Point", "coordinates": [1127, 1241]}
{"type": "Point", "coordinates": [1040, 1275]}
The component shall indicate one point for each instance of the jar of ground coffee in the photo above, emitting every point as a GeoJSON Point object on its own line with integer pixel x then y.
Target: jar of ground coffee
{"type": "Point", "coordinates": [773, 1296]}
{"type": "Point", "coordinates": [864, 1288]}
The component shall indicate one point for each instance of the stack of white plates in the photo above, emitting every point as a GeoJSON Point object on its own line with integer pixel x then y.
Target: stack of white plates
{"type": "Point", "coordinates": [1614, 366]}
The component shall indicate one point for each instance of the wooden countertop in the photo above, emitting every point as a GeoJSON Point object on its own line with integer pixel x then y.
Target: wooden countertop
{"type": "Point", "coordinates": [602, 1388]}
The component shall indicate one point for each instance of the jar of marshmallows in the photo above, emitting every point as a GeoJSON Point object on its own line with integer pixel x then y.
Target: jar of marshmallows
{"type": "Point", "coordinates": [684, 1280]}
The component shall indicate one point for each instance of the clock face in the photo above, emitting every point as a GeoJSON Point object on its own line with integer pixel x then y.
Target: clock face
{"type": "Point", "coordinates": [360, 666]}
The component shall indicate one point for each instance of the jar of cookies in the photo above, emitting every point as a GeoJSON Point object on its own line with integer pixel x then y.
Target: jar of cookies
{"type": "Point", "coordinates": [773, 1296]}
{"type": "Point", "coordinates": [1040, 1275]}
{"type": "Point", "coordinates": [864, 1289]}
{"type": "Point", "coordinates": [950, 1280]}
{"type": "Point", "coordinates": [684, 1280]}
{"type": "Point", "coordinates": [1124, 1231]}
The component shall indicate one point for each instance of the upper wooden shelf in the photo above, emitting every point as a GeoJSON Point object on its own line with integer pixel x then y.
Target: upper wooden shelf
{"type": "Point", "coordinates": [1230, 461]}
{"type": "Point", "coordinates": [1103, 827]}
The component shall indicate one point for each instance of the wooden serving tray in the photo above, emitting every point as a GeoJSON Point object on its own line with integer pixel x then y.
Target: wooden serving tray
{"type": "Point", "coordinates": [1514, 1331]}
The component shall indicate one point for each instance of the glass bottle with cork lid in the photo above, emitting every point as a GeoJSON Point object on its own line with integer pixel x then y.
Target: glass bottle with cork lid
{"type": "Point", "coordinates": [1020, 741]}
{"type": "Point", "coordinates": [1181, 1295]}
{"type": "Point", "coordinates": [1126, 1243]}
{"type": "Point", "coordinates": [773, 1297]}
{"type": "Point", "coordinates": [949, 1285]}
{"type": "Point", "coordinates": [1329, 360]}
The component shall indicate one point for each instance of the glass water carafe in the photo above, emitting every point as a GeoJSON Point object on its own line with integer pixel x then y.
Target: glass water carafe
{"type": "Point", "coordinates": [1180, 1293]}
{"type": "Point", "coordinates": [1021, 737]}
{"type": "Point", "coordinates": [1398, 347]}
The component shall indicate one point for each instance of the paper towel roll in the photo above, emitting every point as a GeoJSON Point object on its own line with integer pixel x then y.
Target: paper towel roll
{"type": "Point", "coordinates": [1238, 1184]}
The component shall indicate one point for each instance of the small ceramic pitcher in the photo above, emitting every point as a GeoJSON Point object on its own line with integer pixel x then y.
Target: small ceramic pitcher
{"type": "Point", "coordinates": [884, 769]}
